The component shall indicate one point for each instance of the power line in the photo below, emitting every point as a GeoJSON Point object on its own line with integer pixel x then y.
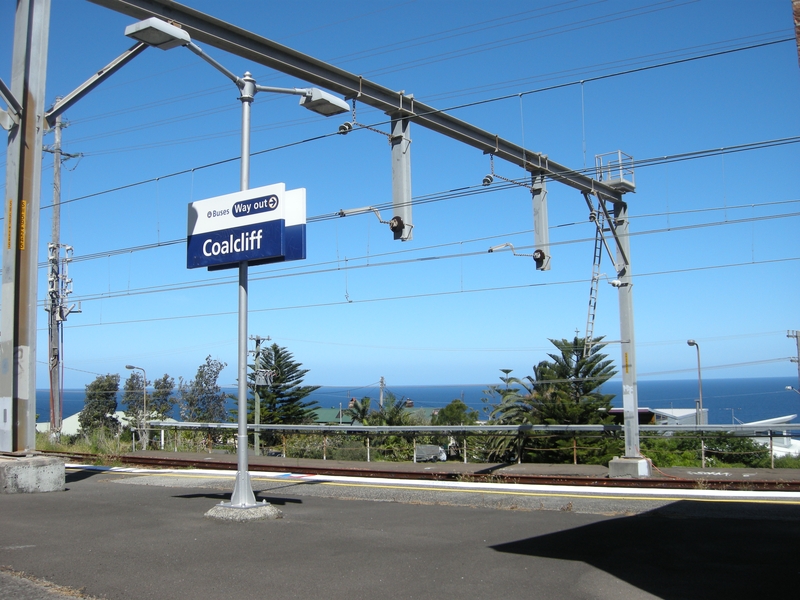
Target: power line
{"type": "Point", "coordinates": [520, 94]}
{"type": "Point", "coordinates": [319, 268]}
{"type": "Point", "coordinates": [712, 367]}
{"type": "Point", "coordinates": [469, 29]}
{"type": "Point", "coordinates": [299, 270]}
{"type": "Point", "coordinates": [457, 192]}
{"type": "Point", "coordinates": [530, 36]}
{"type": "Point", "coordinates": [427, 295]}
{"type": "Point", "coordinates": [728, 44]}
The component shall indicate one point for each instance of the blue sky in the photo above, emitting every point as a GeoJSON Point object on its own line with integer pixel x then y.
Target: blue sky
{"type": "Point", "coordinates": [715, 249]}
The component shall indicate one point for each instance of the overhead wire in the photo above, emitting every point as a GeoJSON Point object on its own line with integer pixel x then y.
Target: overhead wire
{"type": "Point", "coordinates": [501, 98]}
{"type": "Point", "coordinates": [584, 71]}
{"type": "Point", "coordinates": [464, 30]}
{"type": "Point", "coordinates": [674, 158]}
{"type": "Point", "coordinates": [529, 36]}
{"type": "Point", "coordinates": [418, 295]}
{"type": "Point", "coordinates": [581, 81]}
{"type": "Point", "coordinates": [317, 268]}
{"type": "Point", "coordinates": [466, 191]}
{"type": "Point", "coordinates": [462, 192]}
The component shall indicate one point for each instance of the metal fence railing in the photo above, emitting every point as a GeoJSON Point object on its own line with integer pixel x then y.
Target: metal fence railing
{"type": "Point", "coordinates": [468, 442]}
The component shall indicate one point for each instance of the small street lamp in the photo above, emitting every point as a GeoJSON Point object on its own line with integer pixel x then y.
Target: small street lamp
{"type": "Point", "coordinates": [144, 404]}
{"type": "Point", "coordinates": [699, 383]}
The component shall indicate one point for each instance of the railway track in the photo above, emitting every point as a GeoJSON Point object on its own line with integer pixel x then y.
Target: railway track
{"type": "Point", "coordinates": [439, 472]}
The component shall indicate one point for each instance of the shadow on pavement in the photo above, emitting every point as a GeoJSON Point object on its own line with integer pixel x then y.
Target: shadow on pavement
{"type": "Point", "coordinates": [687, 549]}
{"type": "Point", "coordinates": [73, 476]}
{"type": "Point", "coordinates": [225, 497]}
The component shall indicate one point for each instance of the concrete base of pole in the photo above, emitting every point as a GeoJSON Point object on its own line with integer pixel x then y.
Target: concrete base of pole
{"type": "Point", "coordinates": [629, 467]}
{"type": "Point", "coordinates": [31, 474]}
{"type": "Point", "coordinates": [257, 512]}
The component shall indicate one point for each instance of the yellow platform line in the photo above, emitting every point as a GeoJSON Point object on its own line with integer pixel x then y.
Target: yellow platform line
{"type": "Point", "coordinates": [471, 490]}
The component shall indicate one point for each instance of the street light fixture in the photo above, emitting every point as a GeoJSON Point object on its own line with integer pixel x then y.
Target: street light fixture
{"type": "Point", "coordinates": [699, 418]}
{"type": "Point", "coordinates": [163, 35]}
{"type": "Point", "coordinates": [144, 404]}
{"type": "Point", "coordinates": [159, 34]}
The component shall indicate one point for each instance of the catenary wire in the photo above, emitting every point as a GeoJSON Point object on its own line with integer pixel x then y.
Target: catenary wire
{"type": "Point", "coordinates": [318, 268]}
{"type": "Point", "coordinates": [429, 294]}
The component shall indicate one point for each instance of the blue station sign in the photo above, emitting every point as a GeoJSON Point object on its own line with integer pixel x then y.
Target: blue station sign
{"type": "Point", "coordinates": [261, 225]}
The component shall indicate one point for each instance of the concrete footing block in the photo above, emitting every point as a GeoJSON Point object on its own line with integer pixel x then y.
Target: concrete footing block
{"type": "Point", "coordinates": [259, 512]}
{"type": "Point", "coordinates": [629, 467]}
{"type": "Point", "coordinates": [31, 474]}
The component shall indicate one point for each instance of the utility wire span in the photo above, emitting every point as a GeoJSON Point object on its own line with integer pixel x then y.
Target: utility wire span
{"type": "Point", "coordinates": [355, 263]}
{"type": "Point", "coordinates": [207, 281]}
{"type": "Point", "coordinates": [711, 367]}
{"type": "Point", "coordinates": [471, 104]}
{"type": "Point", "coordinates": [456, 192]}
{"type": "Point", "coordinates": [470, 29]}
{"type": "Point", "coordinates": [418, 296]}
{"type": "Point", "coordinates": [520, 94]}
{"type": "Point", "coordinates": [143, 247]}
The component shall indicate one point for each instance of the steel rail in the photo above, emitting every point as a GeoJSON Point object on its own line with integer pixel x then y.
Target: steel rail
{"type": "Point", "coordinates": [438, 472]}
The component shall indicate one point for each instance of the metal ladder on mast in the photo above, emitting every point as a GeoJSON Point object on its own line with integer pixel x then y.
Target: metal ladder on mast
{"type": "Point", "coordinates": [599, 219]}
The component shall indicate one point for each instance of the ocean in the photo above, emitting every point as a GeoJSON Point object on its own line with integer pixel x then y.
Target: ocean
{"type": "Point", "coordinates": [727, 400]}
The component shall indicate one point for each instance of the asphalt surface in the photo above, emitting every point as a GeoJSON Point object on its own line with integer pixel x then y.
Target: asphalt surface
{"type": "Point", "coordinates": [123, 536]}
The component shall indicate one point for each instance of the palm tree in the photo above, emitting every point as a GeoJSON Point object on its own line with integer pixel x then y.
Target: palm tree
{"type": "Point", "coordinates": [393, 412]}
{"type": "Point", "coordinates": [360, 411]}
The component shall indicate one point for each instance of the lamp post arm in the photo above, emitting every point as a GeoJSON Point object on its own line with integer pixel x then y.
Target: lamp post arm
{"type": "Point", "coordinates": [87, 86]}
{"type": "Point", "coordinates": [240, 82]}
{"type": "Point", "coordinates": [278, 90]}
{"type": "Point", "coordinates": [218, 66]}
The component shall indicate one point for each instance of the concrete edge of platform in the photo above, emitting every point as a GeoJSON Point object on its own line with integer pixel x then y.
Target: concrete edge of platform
{"type": "Point", "coordinates": [31, 474]}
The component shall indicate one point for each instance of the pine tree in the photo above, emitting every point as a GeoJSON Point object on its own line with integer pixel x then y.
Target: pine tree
{"type": "Point", "coordinates": [563, 390]}
{"type": "Point", "coordinates": [281, 392]}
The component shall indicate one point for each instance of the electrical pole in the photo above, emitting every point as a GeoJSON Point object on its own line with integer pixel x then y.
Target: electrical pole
{"type": "Point", "coordinates": [59, 287]}
{"type": "Point", "coordinates": [383, 385]}
{"type": "Point", "coordinates": [792, 333]}
{"type": "Point", "coordinates": [53, 280]}
{"type": "Point", "coordinates": [262, 377]}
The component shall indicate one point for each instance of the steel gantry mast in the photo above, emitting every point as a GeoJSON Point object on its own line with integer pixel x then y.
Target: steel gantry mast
{"type": "Point", "coordinates": [24, 121]}
{"type": "Point", "coordinates": [403, 109]}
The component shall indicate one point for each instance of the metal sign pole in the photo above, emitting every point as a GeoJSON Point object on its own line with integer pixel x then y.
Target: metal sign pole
{"type": "Point", "coordinates": [243, 496]}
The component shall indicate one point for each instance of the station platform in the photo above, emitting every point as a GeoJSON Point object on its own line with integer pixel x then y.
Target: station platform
{"type": "Point", "coordinates": [136, 534]}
